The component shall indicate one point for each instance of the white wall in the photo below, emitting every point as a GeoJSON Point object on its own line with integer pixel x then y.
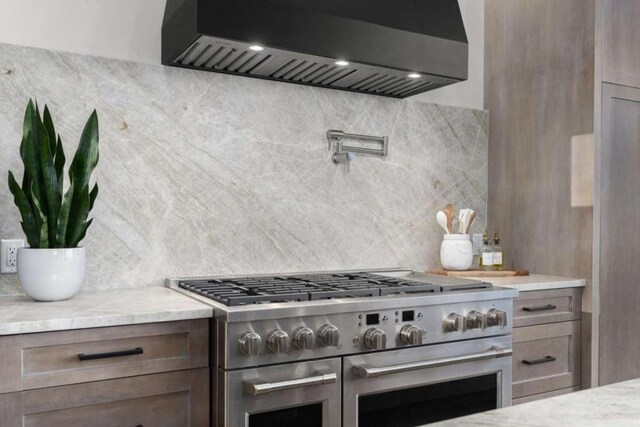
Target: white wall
{"type": "Point", "coordinates": [130, 30]}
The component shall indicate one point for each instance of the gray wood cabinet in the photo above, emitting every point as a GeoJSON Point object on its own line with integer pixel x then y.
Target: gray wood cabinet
{"type": "Point", "coordinates": [619, 268]}
{"type": "Point", "coordinates": [139, 375]}
{"type": "Point", "coordinates": [546, 344]}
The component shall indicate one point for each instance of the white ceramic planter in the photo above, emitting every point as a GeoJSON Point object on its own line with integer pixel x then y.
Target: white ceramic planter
{"type": "Point", "coordinates": [456, 252]}
{"type": "Point", "coordinates": [51, 274]}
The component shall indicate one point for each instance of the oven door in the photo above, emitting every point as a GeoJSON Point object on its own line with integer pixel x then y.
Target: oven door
{"type": "Point", "coordinates": [292, 395]}
{"type": "Point", "coordinates": [417, 386]}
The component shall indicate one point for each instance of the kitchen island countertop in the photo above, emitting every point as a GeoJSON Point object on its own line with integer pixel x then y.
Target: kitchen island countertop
{"type": "Point", "coordinates": [612, 405]}
{"type": "Point", "coordinates": [19, 314]}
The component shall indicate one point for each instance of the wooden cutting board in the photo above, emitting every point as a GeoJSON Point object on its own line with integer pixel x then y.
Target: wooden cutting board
{"type": "Point", "coordinates": [478, 273]}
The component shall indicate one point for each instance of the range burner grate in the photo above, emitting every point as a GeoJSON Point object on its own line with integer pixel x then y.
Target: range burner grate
{"type": "Point", "coordinates": [304, 287]}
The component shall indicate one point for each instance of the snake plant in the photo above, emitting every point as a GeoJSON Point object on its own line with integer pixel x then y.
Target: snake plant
{"type": "Point", "coordinates": [52, 218]}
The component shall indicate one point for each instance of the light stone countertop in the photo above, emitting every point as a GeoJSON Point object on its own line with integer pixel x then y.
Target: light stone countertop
{"type": "Point", "coordinates": [534, 282]}
{"type": "Point", "coordinates": [19, 314]}
{"type": "Point", "coordinates": [612, 405]}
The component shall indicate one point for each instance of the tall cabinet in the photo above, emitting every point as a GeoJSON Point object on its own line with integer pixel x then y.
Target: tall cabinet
{"type": "Point", "coordinates": [616, 236]}
{"type": "Point", "coordinates": [554, 71]}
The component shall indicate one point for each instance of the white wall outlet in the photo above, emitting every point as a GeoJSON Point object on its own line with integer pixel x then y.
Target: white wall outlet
{"type": "Point", "coordinates": [9, 255]}
{"type": "Point", "coordinates": [477, 241]}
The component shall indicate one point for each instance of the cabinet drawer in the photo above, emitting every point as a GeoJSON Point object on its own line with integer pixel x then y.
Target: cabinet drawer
{"type": "Point", "coordinates": [70, 357]}
{"type": "Point", "coordinates": [540, 307]}
{"type": "Point", "coordinates": [174, 399]}
{"type": "Point", "coordinates": [545, 358]}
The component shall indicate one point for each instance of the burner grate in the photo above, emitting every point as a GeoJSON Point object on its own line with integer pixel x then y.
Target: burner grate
{"type": "Point", "coordinates": [256, 290]}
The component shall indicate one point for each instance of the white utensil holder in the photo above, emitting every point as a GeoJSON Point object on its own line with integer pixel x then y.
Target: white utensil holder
{"type": "Point", "coordinates": [456, 252]}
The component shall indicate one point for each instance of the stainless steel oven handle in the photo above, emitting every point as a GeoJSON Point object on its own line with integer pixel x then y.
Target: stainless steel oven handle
{"type": "Point", "coordinates": [257, 388]}
{"type": "Point", "coordinates": [370, 372]}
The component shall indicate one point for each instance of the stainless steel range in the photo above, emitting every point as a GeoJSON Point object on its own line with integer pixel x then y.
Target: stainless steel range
{"type": "Point", "coordinates": [355, 348]}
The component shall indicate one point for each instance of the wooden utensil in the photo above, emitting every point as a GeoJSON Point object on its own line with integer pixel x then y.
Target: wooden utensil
{"type": "Point", "coordinates": [470, 219]}
{"type": "Point", "coordinates": [441, 217]}
{"type": "Point", "coordinates": [450, 211]}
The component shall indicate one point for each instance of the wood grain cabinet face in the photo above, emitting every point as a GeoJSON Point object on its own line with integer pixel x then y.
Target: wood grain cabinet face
{"type": "Point", "coordinates": [174, 399]}
{"type": "Point", "coordinates": [540, 307]}
{"type": "Point", "coordinates": [546, 358]}
{"type": "Point", "coordinates": [52, 358]}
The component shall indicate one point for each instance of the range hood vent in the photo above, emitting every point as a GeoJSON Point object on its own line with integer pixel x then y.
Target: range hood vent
{"type": "Point", "coordinates": [393, 48]}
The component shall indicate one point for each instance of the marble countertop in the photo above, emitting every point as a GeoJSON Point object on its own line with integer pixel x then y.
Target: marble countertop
{"type": "Point", "coordinates": [612, 405]}
{"type": "Point", "coordinates": [534, 282]}
{"type": "Point", "coordinates": [20, 315]}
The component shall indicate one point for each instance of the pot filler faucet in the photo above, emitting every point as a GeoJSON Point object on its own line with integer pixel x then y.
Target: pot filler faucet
{"type": "Point", "coordinates": [345, 153]}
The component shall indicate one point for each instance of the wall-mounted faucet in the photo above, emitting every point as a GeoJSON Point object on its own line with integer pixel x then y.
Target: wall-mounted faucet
{"type": "Point", "coordinates": [345, 153]}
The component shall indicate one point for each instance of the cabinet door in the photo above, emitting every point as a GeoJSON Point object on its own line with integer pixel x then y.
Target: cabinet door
{"type": "Point", "coordinates": [174, 399]}
{"type": "Point", "coordinates": [619, 262]}
{"type": "Point", "coordinates": [68, 357]}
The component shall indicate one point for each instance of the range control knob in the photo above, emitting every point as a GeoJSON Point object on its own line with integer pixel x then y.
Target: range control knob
{"type": "Point", "coordinates": [278, 341]}
{"type": "Point", "coordinates": [455, 322]}
{"type": "Point", "coordinates": [250, 343]}
{"type": "Point", "coordinates": [329, 335]}
{"type": "Point", "coordinates": [496, 317]}
{"type": "Point", "coordinates": [411, 335]}
{"type": "Point", "coordinates": [304, 338]}
{"type": "Point", "coordinates": [375, 339]}
{"type": "Point", "coordinates": [476, 320]}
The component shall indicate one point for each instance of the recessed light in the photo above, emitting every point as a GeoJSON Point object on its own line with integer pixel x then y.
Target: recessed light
{"type": "Point", "coordinates": [342, 63]}
{"type": "Point", "coordinates": [414, 76]}
{"type": "Point", "coordinates": [256, 48]}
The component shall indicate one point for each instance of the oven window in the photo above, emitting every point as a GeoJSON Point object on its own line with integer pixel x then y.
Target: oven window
{"type": "Point", "coordinates": [307, 416]}
{"type": "Point", "coordinates": [428, 404]}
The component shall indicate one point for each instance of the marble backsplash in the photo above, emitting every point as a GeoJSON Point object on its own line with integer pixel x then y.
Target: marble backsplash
{"type": "Point", "coordinates": [203, 173]}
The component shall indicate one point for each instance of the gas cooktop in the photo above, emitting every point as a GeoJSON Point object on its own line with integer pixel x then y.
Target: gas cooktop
{"type": "Point", "coordinates": [236, 291]}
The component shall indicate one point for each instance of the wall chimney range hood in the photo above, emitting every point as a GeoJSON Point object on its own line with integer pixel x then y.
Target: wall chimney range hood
{"type": "Point", "coordinates": [395, 48]}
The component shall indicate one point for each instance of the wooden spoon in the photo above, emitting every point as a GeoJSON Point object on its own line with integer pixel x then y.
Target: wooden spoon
{"type": "Point", "coordinates": [472, 216]}
{"type": "Point", "coordinates": [450, 211]}
{"type": "Point", "coordinates": [441, 217]}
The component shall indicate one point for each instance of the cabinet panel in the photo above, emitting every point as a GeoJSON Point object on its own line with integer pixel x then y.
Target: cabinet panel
{"type": "Point", "coordinates": [619, 290]}
{"type": "Point", "coordinates": [174, 399]}
{"type": "Point", "coordinates": [540, 307]}
{"type": "Point", "coordinates": [546, 358]}
{"type": "Point", "coordinates": [620, 40]}
{"type": "Point", "coordinates": [55, 358]}
{"type": "Point", "coordinates": [544, 395]}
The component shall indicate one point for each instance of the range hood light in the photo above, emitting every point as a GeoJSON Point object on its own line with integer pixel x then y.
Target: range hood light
{"type": "Point", "coordinates": [342, 63]}
{"type": "Point", "coordinates": [414, 76]}
{"type": "Point", "coordinates": [256, 48]}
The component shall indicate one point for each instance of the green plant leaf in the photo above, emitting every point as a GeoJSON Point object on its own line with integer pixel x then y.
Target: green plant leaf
{"type": "Point", "coordinates": [83, 164]}
{"type": "Point", "coordinates": [63, 219]}
{"type": "Point", "coordinates": [59, 162]}
{"type": "Point", "coordinates": [82, 233]}
{"type": "Point", "coordinates": [30, 153]}
{"type": "Point", "coordinates": [50, 129]}
{"type": "Point", "coordinates": [28, 221]}
{"type": "Point", "coordinates": [93, 196]}
{"type": "Point", "coordinates": [41, 225]}
{"type": "Point", "coordinates": [77, 216]}
{"type": "Point", "coordinates": [50, 189]}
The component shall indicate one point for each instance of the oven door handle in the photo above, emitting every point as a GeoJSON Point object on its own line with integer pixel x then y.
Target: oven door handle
{"type": "Point", "coordinates": [371, 372]}
{"type": "Point", "coordinates": [256, 388]}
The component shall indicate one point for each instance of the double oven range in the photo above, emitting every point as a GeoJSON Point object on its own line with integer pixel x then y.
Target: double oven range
{"type": "Point", "coordinates": [355, 348]}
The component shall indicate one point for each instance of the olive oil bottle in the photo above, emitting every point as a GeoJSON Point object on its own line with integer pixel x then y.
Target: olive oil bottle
{"type": "Point", "coordinates": [498, 253]}
{"type": "Point", "coordinates": [486, 254]}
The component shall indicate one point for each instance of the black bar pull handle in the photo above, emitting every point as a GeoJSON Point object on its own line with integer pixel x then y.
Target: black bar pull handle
{"type": "Point", "coordinates": [539, 361]}
{"type": "Point", "coordinates": [132, 352]}
{"type": "Point", "coordinates": [540, 308]}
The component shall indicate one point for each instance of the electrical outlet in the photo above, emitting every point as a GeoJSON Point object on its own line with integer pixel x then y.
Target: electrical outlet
{"type": "Point", "coordinates": [477, 241]}
{"type": "Point", "coordinates": [9, 255]}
